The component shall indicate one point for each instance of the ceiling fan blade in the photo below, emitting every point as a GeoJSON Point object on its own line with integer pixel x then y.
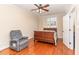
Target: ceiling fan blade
{"type": "Point", "coordinates": [36, 5]}
{"type": "Point", "coordinates": [34, 9]}
{"type": "Point", "coordinates": [40, 5]}
{"type": "Point", "coordinates": [45, 9]}
{"type": "Point", "coordinates": [45, 5]}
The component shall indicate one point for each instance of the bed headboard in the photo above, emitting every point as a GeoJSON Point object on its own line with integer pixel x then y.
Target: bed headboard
{"type": "Point", "coordinates": [55, 29]}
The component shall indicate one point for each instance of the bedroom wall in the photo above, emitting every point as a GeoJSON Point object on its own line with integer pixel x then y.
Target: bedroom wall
{"type": "Point", "coordinates": [42, 23]}
{"type": "Point", "coordinates": [77, 31]}
{"type": "Point", "coordinates": [14, 18]}
{"type": "Point", "coordinates": [60, 26]}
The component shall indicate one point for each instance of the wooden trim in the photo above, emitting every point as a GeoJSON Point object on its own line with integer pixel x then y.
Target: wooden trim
{"type": "Point", "coordinates": [55, 29]}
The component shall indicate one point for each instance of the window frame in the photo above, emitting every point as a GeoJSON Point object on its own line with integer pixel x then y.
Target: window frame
{"type": "Point", "coordinates": [52, 21]}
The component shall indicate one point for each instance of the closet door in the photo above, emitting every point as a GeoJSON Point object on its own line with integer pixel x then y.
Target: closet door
{"type": "Point", "coordinates": [66, 30]}
{"type": "Point", "coordinates": [69, 29]}
{"type": "Point", "coordinates": [72, 18]}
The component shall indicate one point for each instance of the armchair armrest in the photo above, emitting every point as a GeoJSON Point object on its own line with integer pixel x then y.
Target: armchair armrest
{"type": "Point", "coordinates": [24, 37]}
{"type": "Point", "coordinates": [14, 40]}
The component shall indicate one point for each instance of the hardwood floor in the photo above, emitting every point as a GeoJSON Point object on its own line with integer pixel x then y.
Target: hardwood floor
{"type": "Point", "coordinates": [40, 48]}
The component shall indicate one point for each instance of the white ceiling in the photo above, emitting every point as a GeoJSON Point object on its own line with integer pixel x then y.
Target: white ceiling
{"type": "Point", "coordinates": [53, 8]}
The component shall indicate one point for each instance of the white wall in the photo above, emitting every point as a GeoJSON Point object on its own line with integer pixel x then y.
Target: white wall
{"type": "Point", "coordinates": [60, 26]}
{"type": "Point", "coordinates": [13, 18]}
{"type": "Point", "coordinates": [77, 31]}
{"type": "Point", "coordinates": [42, 23]}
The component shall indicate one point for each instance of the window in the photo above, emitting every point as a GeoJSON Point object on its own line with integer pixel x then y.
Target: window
{"type": "Point", "coordinates": [51, 21]}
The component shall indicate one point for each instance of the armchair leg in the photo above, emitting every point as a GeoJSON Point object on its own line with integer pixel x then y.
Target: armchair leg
{"type": "Point", "coordinates": [35, 41]}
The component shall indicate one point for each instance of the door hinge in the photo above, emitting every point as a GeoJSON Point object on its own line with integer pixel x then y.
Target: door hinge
{"type": "Point", "coordinates": [70, 43]}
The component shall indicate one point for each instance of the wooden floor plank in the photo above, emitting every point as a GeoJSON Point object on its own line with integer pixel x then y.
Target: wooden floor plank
{"type": "Point", "coordinates": [40, 48]}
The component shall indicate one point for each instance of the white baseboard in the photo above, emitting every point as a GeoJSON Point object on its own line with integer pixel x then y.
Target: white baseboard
{"type": "Point", "coordinates": [3, 47]}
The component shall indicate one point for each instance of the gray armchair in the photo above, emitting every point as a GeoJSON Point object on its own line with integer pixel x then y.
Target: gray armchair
{"type": "Point", "coordinates": [18, 42]}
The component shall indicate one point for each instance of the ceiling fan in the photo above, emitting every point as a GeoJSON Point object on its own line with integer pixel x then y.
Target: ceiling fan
{"type": "Point", "coordinates": [41, 8]}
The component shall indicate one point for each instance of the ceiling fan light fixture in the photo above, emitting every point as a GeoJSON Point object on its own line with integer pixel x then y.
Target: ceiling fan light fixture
{"type": "Point", "coordinates": [41, 8]}
{"type": "Point", "coordinates": [40, 11]}
{"type": "Point", "coordinates": [37, 10]}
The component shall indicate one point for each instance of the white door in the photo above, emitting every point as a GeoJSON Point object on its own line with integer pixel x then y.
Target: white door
{"type": "Point", "coordinates": [72, 28]}
{"type": "Point", "coordinates": [66, 30]}
{"type": "Point", "coordinates": [71, 31]}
